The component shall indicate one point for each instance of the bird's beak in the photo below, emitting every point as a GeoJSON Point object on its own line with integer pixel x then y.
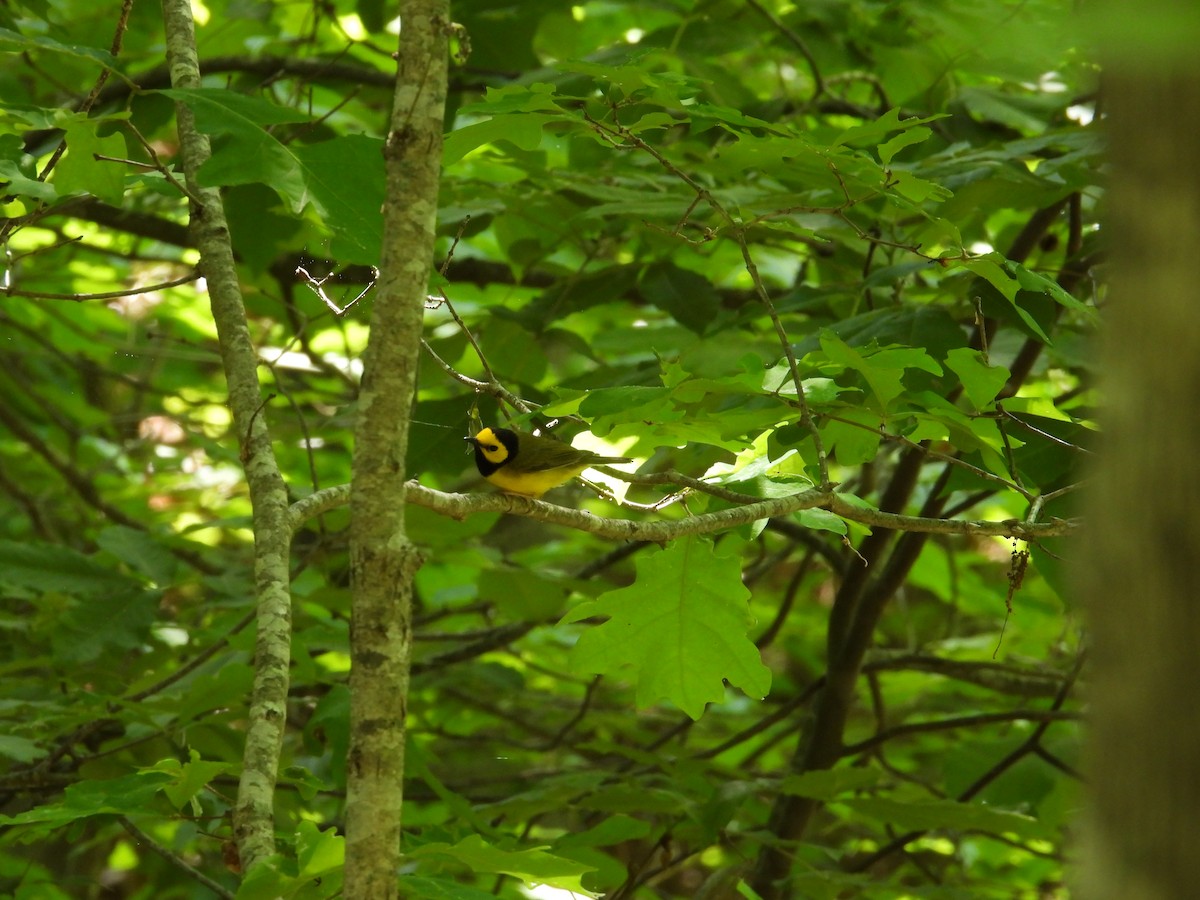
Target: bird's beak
{"type": "Point", "coordinates": [471, 440]}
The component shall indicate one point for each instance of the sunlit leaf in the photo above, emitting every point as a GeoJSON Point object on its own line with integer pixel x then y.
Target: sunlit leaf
{"type": "Point", "coordinates": [534, 866]}
{"type": "Point", "coordinates": [678, 631]}
{"type": "Point", "coordinates": [82, 172]}
{"type": "Point", "coordinates": [981, 381]}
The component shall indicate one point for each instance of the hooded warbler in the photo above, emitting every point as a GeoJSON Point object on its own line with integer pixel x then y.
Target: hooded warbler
{"type": "Point", "coordinates": [529, 465]}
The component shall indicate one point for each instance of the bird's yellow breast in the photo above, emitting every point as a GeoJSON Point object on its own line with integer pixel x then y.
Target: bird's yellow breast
{"type": "Point", "coordinates": [532, 484]}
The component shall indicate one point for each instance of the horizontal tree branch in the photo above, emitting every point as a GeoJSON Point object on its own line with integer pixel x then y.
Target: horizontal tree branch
{"type": "Point", "coordinates": [1006, 678]}
{"type": "Point", "coordinates": [459, 506]}
{"type": "Point", "coordinates": [1016, 715]}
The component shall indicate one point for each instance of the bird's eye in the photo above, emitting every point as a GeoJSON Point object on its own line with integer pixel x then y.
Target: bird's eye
{"type": "Point", "coordinates": [491, 448]}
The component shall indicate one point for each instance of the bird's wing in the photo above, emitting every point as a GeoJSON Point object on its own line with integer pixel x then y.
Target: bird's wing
{"type": "Point", "coordinates": [554, 454]}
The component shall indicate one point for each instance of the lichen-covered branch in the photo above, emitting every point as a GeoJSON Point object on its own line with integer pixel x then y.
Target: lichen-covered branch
{"type": "Point", "coordinates": [459, 506]}
{"type": "Point", "coordinates": [253, 813]}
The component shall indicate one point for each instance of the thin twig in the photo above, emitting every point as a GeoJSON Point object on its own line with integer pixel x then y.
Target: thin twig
{"type": "Point", "coordinates": [317, 286]}
{"type": "Point", "coordinates": [806, 418]}
{"type": "Point", "coordinates": [1028, 746]}
{"type": "Point", "coordinates": [444, 300]}
{"type": "Point", "coordinates": [163, 167]}
{"type": "Point", "coordinates": [103, 295]}
{"type": "Point", "coordinates": [1039, 432]}
{"type": "Point", "coordinates": [495, 388]}
{"type": "Point", "coordinates": [1054, 495]}
{"type": "Point", "coordinates": [174, 859]}
{"type": "Point", "coordinates": [933, 454]}
{"type": "Point", "coordinates": [1016, 715]}
{"type": "Point", "coordinates": [618, 133]}
{"type": "Point", "coordinates": [192, 664]}
{"type": "Point", "coordinates": [781, 714]}
{"type": "Point", "coordinates": [560, 735]}
{"type": "Point", "coordinates": [797, 42]}
{"type": "Point", "coordinates": [462, 226]}
{"type": "Point", "coordinates": [101, 79]}
{"type": "Point", "coordinates": [981, 328]}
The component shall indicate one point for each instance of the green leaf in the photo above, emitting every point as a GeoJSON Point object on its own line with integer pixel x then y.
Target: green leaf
{"type": "Point", "coordinates": [319, 857]}
{"type": "Point", "coordinates": [20, 749]}
{"type": "Point", "coordinates": [373, 14]}
{"type": "Point", "coordinates": [980, 380]}
{"type": "Point", "coordinates": [1051, 565]}
{"type": "Point", "coordinates": [80, 172]}
{"type": "Point", "coordinates": [615, 829]}
{"type": "Point", "coordinates": [534, 866]}
{"type": "Point", "coordinates": [346, 178]}
{"type": "Point", "coordinates": [522, 594]}
{"type": "Point", "coordinates": [884, 383]}
{"type": "Point", "coordinates": [995, 275]}
{"type": "Point", "coordinates": [523, 130]}
{"type": "Point", "coordinates": [117, 620]}
{"type": "Point", "coordinates": [653, 121]}
{"type": "Point", "coordinates": [620, 402]}
{"type": "Point", "coordinates": [689, 298]}
{"type": "Point", "coordinates": [918, 190]}
{"type": "Point", "coordinates": [140, 550]}
{"type": "Point", "coordinates": [342, 179]}
{"type": "Point", "coordinates": [15, 181]}
{"type": "Point", "coordinates": [871, 132]}
{"type": "Point", "coordinates": [246, 153]}
{"type": "Point", "coordinates": [993, 106]}
{"type": "Point", "coordinates": [992, 272]}
{"type": "Point", "coordinates": [307, 784]}
{"type": "Point", "coordinates": [421, 887]}
{"type": "Point", "coordinates": [883, 370]}
{"type": "Point", "coordinates": [51, 567]}
{"type": "Point", "coordinates": [227, 685]}
{"type": "Point", "coordinates": [828, 784]}
{"type": "Point", "coordinates": [821, 520]}
{"type": "Point", "coordinates": [11, 41]}
{"type": "Point", "coordinates": [511, 98]}
{"type": "Point", "coordinates": [1033, 281]}
{"type": "Point", "coordinates": [331, 719]}
{"type": "Point", "coordinates": [677, 632]}
{"type": "Point", "coordinates": [416, 767]}
{"type": "Point", "coordinates": [222, 111]}
{"type": "Point", "coordinates": [190, 777]}
{"type": "Point", "coordinates": [853, 444]}
{"type": "Point", "coordinates": [930, 328]}
{"type": "Point", "coordinates": [699, 112]}
{"type": "Point", "coordinates": [318, 852]}
{"type": "Point", "coordinates": [889, 149]}
{"type": "Point", "coordinates": [267, 881]}
{"type": "Point", "coordinates": [905, 358]}
{"type": "Point", "coordinates": [128, 794]}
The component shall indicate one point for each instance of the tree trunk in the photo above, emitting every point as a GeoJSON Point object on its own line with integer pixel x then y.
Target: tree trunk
{"type": "Point", "coordinates": [1139, 573]}
{"type": "Point", "coordinates": [382, 559]}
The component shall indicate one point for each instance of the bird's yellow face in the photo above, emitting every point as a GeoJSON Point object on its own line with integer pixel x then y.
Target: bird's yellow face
{"type": "Point", "coordinates": [493, 449]}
